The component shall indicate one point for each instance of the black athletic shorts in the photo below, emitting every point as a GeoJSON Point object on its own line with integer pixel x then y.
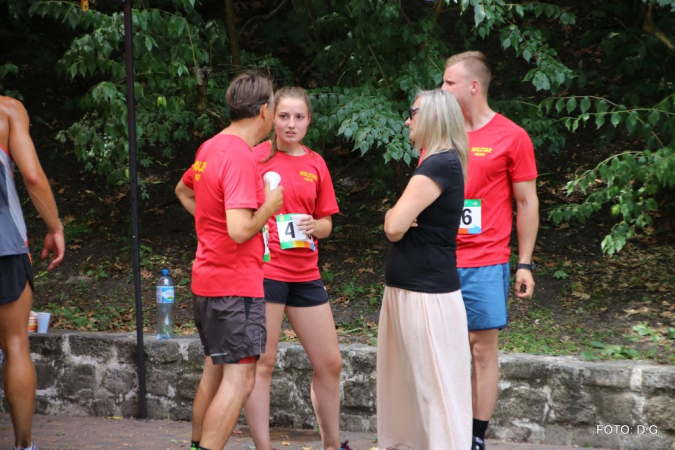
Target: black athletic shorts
{"type": "Point", "coordinates": [297, 294]}
{"type": "Point", "coordinates": [15, 271]}
{"type": "Point", "coordinates": [232, 329]}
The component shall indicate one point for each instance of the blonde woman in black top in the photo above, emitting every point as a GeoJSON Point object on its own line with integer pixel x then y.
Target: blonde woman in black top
{"type": "Point", "coordinates": [423, 359]}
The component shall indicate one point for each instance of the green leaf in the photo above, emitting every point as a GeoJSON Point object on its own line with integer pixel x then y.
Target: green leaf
{"type": "Point", "coordinates": [585, 104]}
{"type": "Point", "coordinates": [632, 120]}
{"type": "Point", "coordinates": [616, 118]}
{"type": "Point", "coordinates": [571, 105]}
{"type": "Point", "coordinates": [148, 43]}
{"type": "Point", "coordinates": [654, 117]}
{"type": "Point", "coordinates": [478, 14]}
{"type": "Point", "coordinates": [599, 120]}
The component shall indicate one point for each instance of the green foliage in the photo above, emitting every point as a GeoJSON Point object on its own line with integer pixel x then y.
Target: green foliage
{"type": "Point", "coordinates": [631, 181]}
{"type": "Point", "coordinates": [9, 69]}
{"type": "Point", "coordinates": [375, 55]}
{"type": "Point", "coordinates": [173, 56]}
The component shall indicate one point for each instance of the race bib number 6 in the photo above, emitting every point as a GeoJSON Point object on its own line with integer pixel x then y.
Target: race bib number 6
{"type": "Point", "coordinates": [289, 235]}
{"type": "Point", "coordinates": [470, 222]}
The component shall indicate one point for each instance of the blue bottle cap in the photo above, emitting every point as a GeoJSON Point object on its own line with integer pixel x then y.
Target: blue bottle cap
{"type": "Point", "coordinates": [165, 272]}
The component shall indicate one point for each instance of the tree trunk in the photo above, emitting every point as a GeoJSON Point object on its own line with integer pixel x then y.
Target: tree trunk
{"type": "Point", "coordinates": [232, 34]}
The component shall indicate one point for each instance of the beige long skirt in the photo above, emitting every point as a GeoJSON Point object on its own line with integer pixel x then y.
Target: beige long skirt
{"type": "Point", "coordinates": [423, 372]}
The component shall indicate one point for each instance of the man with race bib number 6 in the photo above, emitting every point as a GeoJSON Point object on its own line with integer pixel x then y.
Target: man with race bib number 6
{"type": "Point", "coordinates": [501, 167]}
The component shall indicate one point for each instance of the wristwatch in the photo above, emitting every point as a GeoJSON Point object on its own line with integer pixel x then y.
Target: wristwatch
{"type": "Point", "coordinates": [531, 267]}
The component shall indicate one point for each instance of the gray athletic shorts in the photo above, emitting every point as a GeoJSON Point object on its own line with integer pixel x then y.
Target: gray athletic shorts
{"type": "Point", "coordinates": [232, 329]}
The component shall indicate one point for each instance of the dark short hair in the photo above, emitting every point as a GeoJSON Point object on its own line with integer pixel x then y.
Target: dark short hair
{"type": "Point", "coordinates": [247, 92]}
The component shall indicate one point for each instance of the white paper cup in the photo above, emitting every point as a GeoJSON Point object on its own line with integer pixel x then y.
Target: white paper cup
{"type": "Point", "coordinates": [273, 178]}
{"type": "Point", "coordinates": [43, 321]}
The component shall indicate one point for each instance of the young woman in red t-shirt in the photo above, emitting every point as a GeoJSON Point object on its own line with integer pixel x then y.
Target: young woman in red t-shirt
{"type": "Point", "coordinates": [292, 281]}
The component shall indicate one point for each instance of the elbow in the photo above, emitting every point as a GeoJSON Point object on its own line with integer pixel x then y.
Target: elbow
{"type": "Point", "coordinates": [33, 178]}
{"type": "Point", "coordinates": [238, 236]}
{"type": "Point", "coordinates": [392, 233]}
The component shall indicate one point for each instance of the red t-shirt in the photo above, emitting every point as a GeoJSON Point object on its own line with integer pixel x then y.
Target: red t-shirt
{"type": "Point", "coordinates": [308, 189]}
{"type": "Point", "coordinates": [225, 176]}
{"type": "Point", "coordinates": [500, 153]}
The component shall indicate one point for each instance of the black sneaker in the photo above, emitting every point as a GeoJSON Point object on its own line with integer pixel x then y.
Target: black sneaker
{"type": "Point", "coordinates": [477, 444]}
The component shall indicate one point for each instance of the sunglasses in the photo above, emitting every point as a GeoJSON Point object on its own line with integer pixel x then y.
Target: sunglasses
{"type": "Point", "coordinates": [412, 111]}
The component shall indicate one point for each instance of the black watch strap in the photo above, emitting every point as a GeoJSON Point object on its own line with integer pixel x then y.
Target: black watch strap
{"type": "Point", "coordinates": [531, 267]}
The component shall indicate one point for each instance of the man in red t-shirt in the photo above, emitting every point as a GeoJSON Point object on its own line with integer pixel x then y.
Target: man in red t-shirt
{"type": "Point", "coordinates": [501, 167]}
{"type": "Point", "coordinates": [224, 191]}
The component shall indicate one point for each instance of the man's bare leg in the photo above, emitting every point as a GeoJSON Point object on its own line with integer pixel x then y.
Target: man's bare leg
{"type": "Point", "coordinates": [223, 412]}
{"type": "Point", "coordinates": [484, 373]}
{"type": "Point", "coordinates": [20, 380]}
{"type": "Point", "coordinates": [208, 386]}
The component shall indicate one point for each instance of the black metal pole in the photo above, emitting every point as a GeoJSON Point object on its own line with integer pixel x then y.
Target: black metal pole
{"type": "Point", "coordinates": [133, 184]}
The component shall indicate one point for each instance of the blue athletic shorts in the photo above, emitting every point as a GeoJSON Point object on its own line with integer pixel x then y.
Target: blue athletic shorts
{"type": "Point", "coordinates": [485, 291]}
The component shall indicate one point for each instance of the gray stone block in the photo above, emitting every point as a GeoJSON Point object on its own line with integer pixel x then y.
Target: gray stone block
{"type": "Point", "coordinates": [155, 409]}
{"type": "Point", "coordinates": [660, 411]}
{"type": "Point", "coordinates": [78, 379]}
{"type": "Point", "coordinates": [359, 359]}
{"type": "Point", "coordinates": [657, 377]}
{"type": "Point", "coordinates": [608, 375]}
{"type": "Point", "coordinates": [181, 411]}
{"type": "Point", "coordinates": [126, 352]}
{"type": "Point", "coordinates": [524, 368]}
{"type": "Point", "coordinates": [558, 435]}
{"type": "Point", "coordinates": [47, 345]}
{"type": "Point", "coordinates": [589, 437]}
{"type": "Point", "coordinates": [517, 434]}
{"type": "Point", "coordinates": [195, 352]}
{"type": "Point", "coordinates": [119, 382]}
{"type": "Point", "coordinates": [522, 403]}
{"type": "Point", "coordinates": [103, 407]}
{"type": "Point", "coordinates": [282, 419]}
{"type": "Point", "coordinates": [158, 381]}
{"type": "Point", "coordinates": [186, 387]}
{"type": "Point", "coordinates": [648, 442]}
{"type": "Point", "coordinates": [613, 407]}
{"type": "Point", "coordinates": [281, 391]}
{"type": "Point", "coordinates": [570, 402]}
{"type": "Point", "coordinates": [296, 358]}
{"type": "Point", "coordinates": [93, 345]}
{"type": "Point", "coordinates": [358, 393]}
{"type": "Point", "coordinates": [47, 376]}
{"type": "Point", "coordinates": [162, 351]}
{"type": "Point", "coordinates": [130, 407]}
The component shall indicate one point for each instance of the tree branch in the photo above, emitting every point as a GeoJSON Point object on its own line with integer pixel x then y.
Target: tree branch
{"type": "Point", "coordinates": [261, 18]}
{"type": "Point", "coordinates": [651, 28]}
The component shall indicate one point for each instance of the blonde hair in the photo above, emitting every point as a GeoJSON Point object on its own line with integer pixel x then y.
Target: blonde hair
{"type": "Point", "coordinates": [440, 126]}
{"type": "Point", "coordinates": [286, 92]}
{"type": "Point", "coordinates": [476, 63]}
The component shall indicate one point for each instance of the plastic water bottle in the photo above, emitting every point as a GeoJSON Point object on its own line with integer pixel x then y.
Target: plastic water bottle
{"type": "Point", "coordinates": [165, 299]}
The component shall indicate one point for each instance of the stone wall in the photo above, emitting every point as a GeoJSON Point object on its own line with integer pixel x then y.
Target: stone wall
{"type": "Point", "coordinates": [553, 400]}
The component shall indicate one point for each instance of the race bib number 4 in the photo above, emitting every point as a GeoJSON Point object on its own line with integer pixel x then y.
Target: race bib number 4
{"type": "Point", "coordinates": [470, 222]}
{"type": "Point", "coordinates": [289, 235]}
